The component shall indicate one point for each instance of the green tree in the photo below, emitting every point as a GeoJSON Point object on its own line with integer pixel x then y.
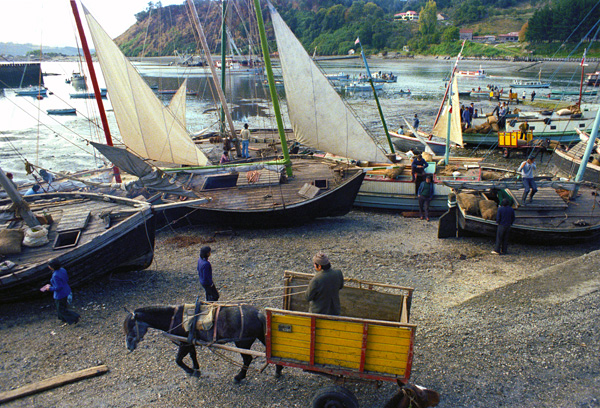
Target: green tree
{"type": "Point", "coordinates": [450, 34]}
{"type": "Point", "coordinates": [428, 19]}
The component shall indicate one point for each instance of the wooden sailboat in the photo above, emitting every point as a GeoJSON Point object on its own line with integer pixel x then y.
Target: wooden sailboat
{"type": "Point", "coordinates": [560, 212]}
{"type": "Point", "coordinates": [90, 234]}
{"type": "Point", "coordinates": [264, 194]}
{"type": "Point", "coordinates": [322, 121]}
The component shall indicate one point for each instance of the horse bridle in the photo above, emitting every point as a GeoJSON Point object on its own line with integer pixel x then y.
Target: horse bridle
{"type": "Point", "coordinates": [405, 391]}
{"type": "Point", "coordinates": [137, 327]}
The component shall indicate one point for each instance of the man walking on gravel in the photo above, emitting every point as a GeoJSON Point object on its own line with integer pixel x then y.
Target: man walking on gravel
{"type": "Point", "coordinates": [323, 292]}
{"type": "Point", "coordinates": [205, 275]}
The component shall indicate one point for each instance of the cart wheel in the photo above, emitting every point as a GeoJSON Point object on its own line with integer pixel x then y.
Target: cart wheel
{"type": "Point", "coordinates": [334, 397]}
{"type": "Point", "coordinates": [506, 153]}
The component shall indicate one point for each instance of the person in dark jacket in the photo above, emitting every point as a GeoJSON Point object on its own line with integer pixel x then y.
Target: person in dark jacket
{"type": "Point", "coordinates": [323, 292]}
{"type": "Point", "coordinates": [425, 195]}
{"type": "Point", "coordinates": [417, 169]}
{"type": "Point", "coordinates": [505, 219]}
{"type": "Point", "coordinates": [205, 275]}
{"type": "Point", "coordinates": [59, 284]}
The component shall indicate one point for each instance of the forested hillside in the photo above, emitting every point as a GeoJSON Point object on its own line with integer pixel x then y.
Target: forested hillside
{"type": "Point", "coordinates": [330, 27]}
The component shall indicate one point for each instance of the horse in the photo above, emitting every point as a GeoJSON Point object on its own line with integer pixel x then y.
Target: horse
{"type": "Point", "coordinates": [413, 396]}
{"type": "Point", "coordinates": [241, 324]}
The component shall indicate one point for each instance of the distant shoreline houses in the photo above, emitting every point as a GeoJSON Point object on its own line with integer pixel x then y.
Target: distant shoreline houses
{"type": "Point", "coordinates": [467, 34]}
{"type": "Point", "coordinates": [411, 15]}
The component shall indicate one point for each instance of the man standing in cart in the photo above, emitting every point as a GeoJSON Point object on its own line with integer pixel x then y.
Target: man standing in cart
{"type": "Point", "coordinates": [323, 292]}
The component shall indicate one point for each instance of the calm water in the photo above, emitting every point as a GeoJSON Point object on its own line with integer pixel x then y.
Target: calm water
{"type": "Point", "coordinates": [60, 143]}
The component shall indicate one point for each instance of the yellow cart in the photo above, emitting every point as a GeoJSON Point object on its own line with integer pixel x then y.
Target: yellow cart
{"type": "Point", "coordinates": [371, 341]}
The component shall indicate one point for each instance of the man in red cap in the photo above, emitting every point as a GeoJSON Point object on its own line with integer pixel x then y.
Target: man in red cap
{"type": "Point", "coordinates": [323, 292]}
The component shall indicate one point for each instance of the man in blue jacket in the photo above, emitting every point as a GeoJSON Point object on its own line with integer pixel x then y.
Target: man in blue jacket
{"type": "Point", "coordinates": [505, 219]}
{"type": "Point", "coordinates": [59, 284]}
{"type": "Point", "coordinates": [205, 275]}
{"type": "Point", "coordinates": [425, 195]}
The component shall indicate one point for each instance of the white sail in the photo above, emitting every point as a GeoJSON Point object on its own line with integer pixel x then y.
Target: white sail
{"type": "Point", "coordinates": [319, 117]}
{"type": "Point", "coordinates": [177, 105]}
{"type": "Point", "coordinates": [147, 127]}
{"type": "Point", "coordinates": [441, 127]}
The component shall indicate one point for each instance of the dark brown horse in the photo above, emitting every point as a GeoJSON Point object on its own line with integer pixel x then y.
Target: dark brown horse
{"type": "Point", "coordinates": [241, 324]}
{"type": "Point", "coordinates": [413, 396]}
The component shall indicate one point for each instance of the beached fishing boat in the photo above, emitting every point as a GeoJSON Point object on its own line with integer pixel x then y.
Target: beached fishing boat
{"type": "Point", "coordinates": [326, 124]}
{"type": "Point", "coordinates": [261, 194]}
{"type": "Point", "coordinates": [560, 126]}
{"type": "Point", "coordinates": [566, 161]}
{"type": "Point", "coordinates": [553, 217]}
{"type": "Point", "coordinates": [560, 212]}
{"type": "Point", "coordinates": [90, 234]}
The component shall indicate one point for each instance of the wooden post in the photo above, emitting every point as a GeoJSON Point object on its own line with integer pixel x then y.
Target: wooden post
{"type": "Point", "coordinates": [52, 383]}
{"type": "Point", "coordinates": [16, 198]}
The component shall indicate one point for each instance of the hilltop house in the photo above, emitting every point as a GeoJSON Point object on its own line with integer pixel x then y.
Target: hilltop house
{"type": "Point", "coordinates": [466, 34]}
{"type": "Point", "coordinates": [510, 37]}
{"type": "Point", "coordinates": [408, 16]}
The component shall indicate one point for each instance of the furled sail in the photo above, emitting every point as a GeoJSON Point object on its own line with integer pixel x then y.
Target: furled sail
{"type": "Point", "coordinates": [177, 105]}
{"type": "Point", "coordinates": [318, 114]}
{"type": "Point", "coordinates": [441, 127]}
{"type": "Point", "coordinates": [147, 127]}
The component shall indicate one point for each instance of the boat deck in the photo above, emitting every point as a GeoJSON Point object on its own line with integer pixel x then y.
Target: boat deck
{"type": "Point", "coordinates": [75, 210]}
{"type": "Point", "coordinates": [548, 219]}
{"type": "Point", "coordinates": [266, 191]}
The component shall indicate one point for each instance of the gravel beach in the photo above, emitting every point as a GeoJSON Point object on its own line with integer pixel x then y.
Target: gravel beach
{"type": "Point", "coordinates": [521, 330]}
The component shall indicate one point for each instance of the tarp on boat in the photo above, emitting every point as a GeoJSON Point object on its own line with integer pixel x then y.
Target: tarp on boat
{"type": "Point", "coordinates": [147, 176]}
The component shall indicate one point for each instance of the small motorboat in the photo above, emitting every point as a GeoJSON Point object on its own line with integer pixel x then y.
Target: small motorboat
{"type": "Point", "coordinates": [65, 111]}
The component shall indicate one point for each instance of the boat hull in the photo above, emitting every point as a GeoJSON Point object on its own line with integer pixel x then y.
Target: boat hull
{"type": "Point", "coordinates": [128, 245]}
{"type": "Point", "coordinates": [329, 203]}
{"type": "Point", "coordinates": [528, 234]}
{"type": "Point", "coordinates": [405, 143]}
{"type": "Point", "coordinates": [567, 164]}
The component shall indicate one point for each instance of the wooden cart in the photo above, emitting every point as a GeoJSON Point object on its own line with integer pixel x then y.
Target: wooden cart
{"type": "Point", "coordinates": [372, 340]}
{"type": "Point", "coordinates": [510, 141]}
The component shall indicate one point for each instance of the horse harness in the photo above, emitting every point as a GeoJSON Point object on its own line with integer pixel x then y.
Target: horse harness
{"type": "Point", "coordinates": [192, 334]}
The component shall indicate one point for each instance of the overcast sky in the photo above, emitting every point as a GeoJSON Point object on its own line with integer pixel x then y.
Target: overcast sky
{"type": "Point", "coordinates": [51, 23]}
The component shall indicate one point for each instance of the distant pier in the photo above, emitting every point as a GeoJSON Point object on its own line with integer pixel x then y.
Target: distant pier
{"type": "Point", "coordinates": [20, 75]}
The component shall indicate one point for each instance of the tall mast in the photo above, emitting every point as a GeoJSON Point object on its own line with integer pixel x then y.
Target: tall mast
{"type": "Point", "coordinates": [437, 117]}
{"type": "Point", "coordinates": [387, 134]}
{"type": "Point", "coordinates": [200, 30]}
{"type": "Point", "coordinates": [581, 82]}
{"type": "Point", "coordinates": [90, 64]}
{"type": "Point", "coordinates": [272, 89]}
{"type": "Point", "coordinates": [223, 57]}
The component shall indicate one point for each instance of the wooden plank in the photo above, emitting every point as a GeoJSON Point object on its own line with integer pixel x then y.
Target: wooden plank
{"type": "Point", "coordinates": [52, 383]}
{"type": "Point", "coordinates": [398, 354]}
{"type": "Point", "coordinates": [389, 332]}
{"type": "Point", "coordinates": [332, 325]}
{"type": "Point", "coordinates": [290, 342]}
{"type": "Point", "coordinates": [383, 342]}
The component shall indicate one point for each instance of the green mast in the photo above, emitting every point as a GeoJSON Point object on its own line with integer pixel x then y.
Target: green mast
{"type": "Point", "coordinates": [223, 59]}
{"type": "Point", "coordinates": [269, 69]}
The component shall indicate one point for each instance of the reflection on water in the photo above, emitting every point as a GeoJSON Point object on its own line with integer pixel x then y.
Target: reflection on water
{"type": "Point", "coordinates": [61, 142]}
